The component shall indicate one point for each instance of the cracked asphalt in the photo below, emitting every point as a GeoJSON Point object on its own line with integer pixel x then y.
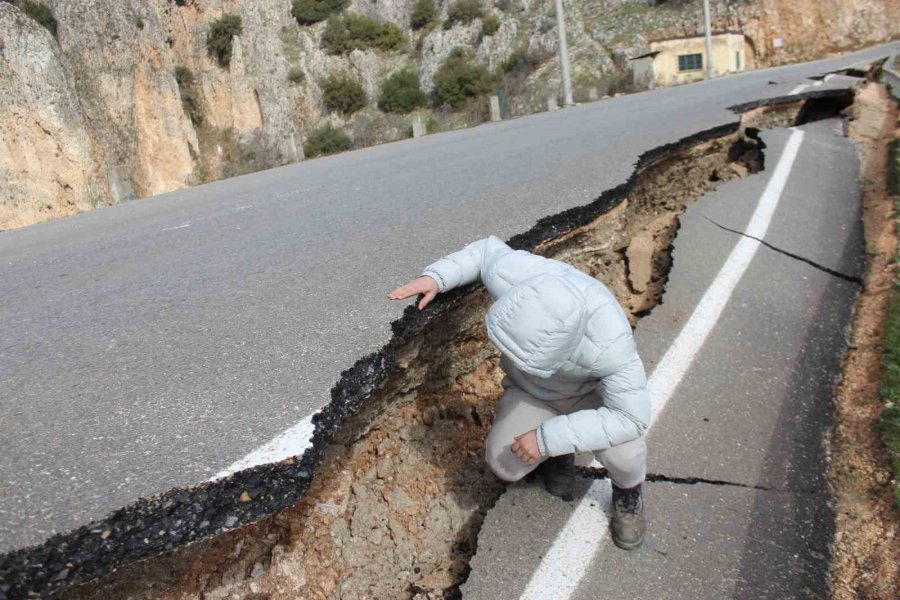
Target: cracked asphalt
{"type": "Point", "coordinates": [737, 504]}
{"type": "Point", "coordinates": [150, 345]}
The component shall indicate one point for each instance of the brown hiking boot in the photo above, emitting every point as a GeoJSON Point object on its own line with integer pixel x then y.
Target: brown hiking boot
{"type": "Point", "coordinates": [558, 473]}
{"type": "Point", "coordinates": [628, 523]}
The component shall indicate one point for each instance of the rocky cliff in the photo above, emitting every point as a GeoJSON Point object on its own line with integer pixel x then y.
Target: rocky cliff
{"type": "Point", "coordinates": [125, 99]}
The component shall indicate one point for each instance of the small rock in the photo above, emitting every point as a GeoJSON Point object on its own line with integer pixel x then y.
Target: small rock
{"type": "Point", "coordinates": [105, 534]}
{"type": "Point", "coordinates": [258, 570]}
{"type": "Point", "coordinates": [231, 521]}
{"type": "Point", "coordinates": [385, 468]}
{"type": "Point", "coordinates": [245, 497]}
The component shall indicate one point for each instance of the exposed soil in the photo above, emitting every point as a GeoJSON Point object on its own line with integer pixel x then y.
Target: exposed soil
{"type": "Point", "coordinates": [866, 553]}
{"type": "Point", "coordinates": [403, 488]}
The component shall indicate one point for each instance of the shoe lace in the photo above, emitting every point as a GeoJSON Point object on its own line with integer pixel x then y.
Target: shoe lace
{"type": "Point", "coordinates": [628, 501]}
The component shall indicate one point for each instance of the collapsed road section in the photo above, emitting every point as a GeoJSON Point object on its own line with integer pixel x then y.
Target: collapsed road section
{"type": "Point", "coordinates": [389, 499]}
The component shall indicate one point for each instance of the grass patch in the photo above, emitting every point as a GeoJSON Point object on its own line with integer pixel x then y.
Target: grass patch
{"type": "Point", "coordinates": [888, 426]}
{"type": "Point", "coordinates": [358, 32]}
{"type": "Point", "coordinates": [296, 75]}
{"type": "Point", "coordinates": [220, 39]}
{"type": "Point", "coordinates": [889, 423]}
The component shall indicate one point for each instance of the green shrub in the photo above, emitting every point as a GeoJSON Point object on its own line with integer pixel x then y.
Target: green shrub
{"type": "Point", "coordinates": [520, 61]}
{"type": "Point", "coordinates": [490, 24]}
{"type": "Point", "coordinates": [352, 31]}
{"type": "Point", "coordinates": [401, 93]}
{"type": "Point", "coordinates": [188, 92]}
{"type": "Point", "coordinates": [459, 79]}
{"type": "Point", "coordinates": [343, 95]}
{"type": "Point", "coordinates": [464, 12]}
{"type": "Point", "coordinates": [307, 12]}
{"type": "Point", "coordinates": [220, 39]}
{"type": "Point", "coordinates": [40, 13]}
{"type": "Point", "coordinates": [326, 140]}
{"type": "Point", "coordinates": [423, 14]}
{"type": "Point", "coordinates": [296, 75]}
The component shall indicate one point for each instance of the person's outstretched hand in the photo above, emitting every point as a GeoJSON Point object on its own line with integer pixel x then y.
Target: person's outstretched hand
{"type": "Point", "coordinates": [420, 285]}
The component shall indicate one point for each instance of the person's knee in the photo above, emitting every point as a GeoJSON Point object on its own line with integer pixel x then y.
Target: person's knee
{"type": "Point", "coordinates": [493, 456]}
{"type": "Point", "coordinates": [624, 456]}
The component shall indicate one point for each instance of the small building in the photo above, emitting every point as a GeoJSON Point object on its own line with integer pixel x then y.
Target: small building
{"type": "Point", "coordinates": [681, 59]}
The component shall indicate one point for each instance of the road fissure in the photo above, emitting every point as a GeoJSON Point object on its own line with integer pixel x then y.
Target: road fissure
{"type": "Point", "coordinates": [850, 278]}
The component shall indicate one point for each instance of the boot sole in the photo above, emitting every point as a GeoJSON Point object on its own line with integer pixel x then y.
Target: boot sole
{"type": "Point", "coordinates": [628, 545]}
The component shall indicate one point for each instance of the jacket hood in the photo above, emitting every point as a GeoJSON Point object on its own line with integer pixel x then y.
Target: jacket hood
{"type": "Point", "coordinates": [539, 323]}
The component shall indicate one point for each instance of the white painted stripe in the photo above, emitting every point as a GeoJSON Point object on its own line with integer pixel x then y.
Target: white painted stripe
{"type": "Point", "coordinates": [563, 566]}
{"type": "Point", "coordinates": [292, 442]}
{"type": "Point", "coordinates": [797, 89]}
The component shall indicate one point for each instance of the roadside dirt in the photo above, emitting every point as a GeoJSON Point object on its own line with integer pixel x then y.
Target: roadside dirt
{"type": "Point", "coordinates": [866, 553]}
{"type": "Point", "coordinates": [403, 487]}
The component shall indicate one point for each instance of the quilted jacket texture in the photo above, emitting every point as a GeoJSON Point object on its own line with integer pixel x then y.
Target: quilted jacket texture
{"type": "Point", "coordinates": [562, 334]}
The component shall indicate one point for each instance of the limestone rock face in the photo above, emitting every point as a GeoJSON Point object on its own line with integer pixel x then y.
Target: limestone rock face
{"type": "Point", "coordinates": [126, 100]}
{"type": "Point", "coordinates": [47, 166]}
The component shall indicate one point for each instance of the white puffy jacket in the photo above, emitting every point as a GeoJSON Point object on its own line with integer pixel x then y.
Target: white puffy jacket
{"type": "Point", "coordinates": [562, 334]}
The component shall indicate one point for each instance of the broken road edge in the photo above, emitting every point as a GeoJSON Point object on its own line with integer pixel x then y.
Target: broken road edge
{"type": "Point", "coordinates": [184, 516]}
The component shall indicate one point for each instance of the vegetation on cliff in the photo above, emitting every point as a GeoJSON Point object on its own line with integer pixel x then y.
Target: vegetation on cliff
{"type": "Point", "coordinates": [220, 40]}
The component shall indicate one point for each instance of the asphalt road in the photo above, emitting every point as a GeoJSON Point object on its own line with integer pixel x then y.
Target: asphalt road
{"type": "Point", "coordinates": [152, 344]}
{"type": "Point", "coordinates": [739, 505]}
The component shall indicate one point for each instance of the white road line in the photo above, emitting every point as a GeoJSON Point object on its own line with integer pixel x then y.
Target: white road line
{"type": "Point", "coordinates": [798, 89]}
{"type": "Point", "coordinates": [292, 442]}
{"type": "Point", "coordinates": [563, 566]}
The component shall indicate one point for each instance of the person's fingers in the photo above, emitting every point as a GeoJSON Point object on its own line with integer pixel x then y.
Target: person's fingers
{"type": "Point", "coordinates": [405, 291]}
{"type": "Point", "coordinates": [429, 296]}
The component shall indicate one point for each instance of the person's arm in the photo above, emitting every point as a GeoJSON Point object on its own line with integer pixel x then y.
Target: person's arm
{"type": "Point", "coordinates": [472, 263]}
{"type": "Point", "coordinates": [624, 416]}
{"type": "Point", "coordinates": [464, 266]}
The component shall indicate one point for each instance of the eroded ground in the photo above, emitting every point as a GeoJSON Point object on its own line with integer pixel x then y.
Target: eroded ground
{"type": "Point", "coordinates": [866, 561]}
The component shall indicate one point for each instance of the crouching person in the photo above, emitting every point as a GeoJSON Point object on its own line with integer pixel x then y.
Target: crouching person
{"type": "Point", "coordinates": [574, 381]}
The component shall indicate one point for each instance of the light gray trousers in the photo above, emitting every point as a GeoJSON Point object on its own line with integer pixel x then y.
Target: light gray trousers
{"type": "Point", "coordinates": [520, 412]}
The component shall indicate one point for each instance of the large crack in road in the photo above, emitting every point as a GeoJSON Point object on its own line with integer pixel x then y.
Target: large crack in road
{"type": "Point", "coordinates": [400, 487]}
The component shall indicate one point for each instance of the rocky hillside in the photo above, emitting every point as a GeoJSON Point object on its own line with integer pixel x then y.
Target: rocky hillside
{"type": "Point", "coordinates": [110, 99]}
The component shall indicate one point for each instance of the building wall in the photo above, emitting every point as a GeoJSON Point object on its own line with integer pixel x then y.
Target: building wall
{"type": "Point", "coordinates": [730, 54]}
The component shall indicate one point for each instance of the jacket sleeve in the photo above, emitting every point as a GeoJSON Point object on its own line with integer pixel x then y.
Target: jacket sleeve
{"type": "Point", "coordinates": [624, 415]}
{"type": "Point", "coordinates": [462, 267]}
{"type": "Point", "coordinates": [488, 256]}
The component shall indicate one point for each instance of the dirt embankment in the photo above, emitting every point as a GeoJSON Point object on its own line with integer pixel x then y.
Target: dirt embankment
{"type": "Point", "coordinates": [403, 488]}
{"type": "Point", "coordinates": [866, 560]}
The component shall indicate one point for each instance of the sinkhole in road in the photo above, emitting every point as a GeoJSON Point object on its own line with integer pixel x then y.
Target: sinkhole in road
{"type": "Point", "coordinates": [401, 490]}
